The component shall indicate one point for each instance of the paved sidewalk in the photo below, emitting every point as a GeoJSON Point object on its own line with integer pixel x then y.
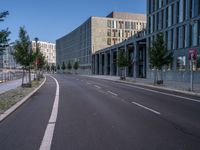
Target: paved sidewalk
{"type": "Point", "coordinates": [6, 86]}
{"type": "Point", "coordinates": [168, 85]}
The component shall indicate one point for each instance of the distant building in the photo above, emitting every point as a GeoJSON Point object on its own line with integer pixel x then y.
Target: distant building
{"type": "Point", "coordinates": [48, 50]}
{"type": "Point", "coordinates": [7, 60]}
{"type": "Point", "coordinates": [97, 33]}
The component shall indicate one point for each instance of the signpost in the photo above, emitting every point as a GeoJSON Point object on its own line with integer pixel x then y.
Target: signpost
{"type": "Point", "coordinates": [192, 57]}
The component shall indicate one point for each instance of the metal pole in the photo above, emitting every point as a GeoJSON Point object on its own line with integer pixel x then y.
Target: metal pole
{"type": "Point", "coordinates": [191, 74]}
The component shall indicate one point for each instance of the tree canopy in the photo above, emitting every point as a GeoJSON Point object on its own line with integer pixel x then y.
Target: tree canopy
{"type": "Point", "coordinates": [158, 54]}
{"type": "Point", "coordinates": [4, 33]}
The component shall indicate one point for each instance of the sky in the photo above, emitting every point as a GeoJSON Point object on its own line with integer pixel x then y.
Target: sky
{"type": "Point", "coordinates": [51, 19]}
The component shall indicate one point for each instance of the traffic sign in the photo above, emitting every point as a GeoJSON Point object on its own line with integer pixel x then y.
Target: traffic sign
{"type": "Point", "coordinates": [192, 54]}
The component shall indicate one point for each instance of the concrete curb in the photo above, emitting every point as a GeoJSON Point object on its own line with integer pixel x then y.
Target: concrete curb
{"type": "Point", "coordinates": [19, 103]}
{"type": "Point", "coordinates": [152, 86]}
{"type": "Point", "coordinates": [160, 87]}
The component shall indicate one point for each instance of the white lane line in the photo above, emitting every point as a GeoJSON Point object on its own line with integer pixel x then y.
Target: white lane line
{"type": "Point", "coordinates": [156, 112]}
{"type": "Point", "coordinates": [150, 90]}
{"type": "Point", "coordinates": [112, 93]}
{"type": "Point", "coordinates": [48, 136]}
{"type": "Point", "coordinates": [88, 83]}
{"type": "Point", "coordinates": [97, 86]}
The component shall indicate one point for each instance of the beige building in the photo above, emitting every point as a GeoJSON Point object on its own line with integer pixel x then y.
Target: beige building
{"type": "Point", "coordinates": [48, 50]}
{"type": "Point", "coordinates": [97, 33]}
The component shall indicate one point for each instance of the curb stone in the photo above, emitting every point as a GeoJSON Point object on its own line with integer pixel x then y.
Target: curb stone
{"type": "Point", "coordinates": [19, 103]}
{"type": "Point", "coordinates": [147, 85]}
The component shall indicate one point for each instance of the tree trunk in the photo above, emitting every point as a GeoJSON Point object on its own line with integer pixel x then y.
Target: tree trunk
{"type": "Point", "coordinates": [29, 74]}
{"type": "Point", "coordinates": [22, 77]}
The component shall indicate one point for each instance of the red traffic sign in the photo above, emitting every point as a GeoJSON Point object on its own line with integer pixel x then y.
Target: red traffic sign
{"type": "Point", "coordinates": [192, 54]}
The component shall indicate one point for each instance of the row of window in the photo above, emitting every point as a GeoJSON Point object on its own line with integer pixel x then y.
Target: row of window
{"type": "Point", "coordinates": [185, 5]}
{"type": "Point", "coordinates": [184, 36]}
{"type": "Point", "coordinates": [174, 14]}
{"type": "Point", "coordinates": [126, 25]}
{"type": "Point", "coordinates": [120, 33]}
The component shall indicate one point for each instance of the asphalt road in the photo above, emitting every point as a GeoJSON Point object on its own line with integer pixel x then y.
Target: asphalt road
{"type": "Point", "coordinates": [96, 114]}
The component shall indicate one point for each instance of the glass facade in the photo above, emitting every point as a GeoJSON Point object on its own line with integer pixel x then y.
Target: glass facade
{"type": "Point", "coordinates": [179, 20]}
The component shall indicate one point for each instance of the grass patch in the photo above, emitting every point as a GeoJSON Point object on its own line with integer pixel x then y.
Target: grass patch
{"type": "Point", "coordinates": [11, 97]}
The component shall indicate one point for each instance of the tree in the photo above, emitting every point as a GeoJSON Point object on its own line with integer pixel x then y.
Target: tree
{"type": "Point", "coordinates": [159, 56]}
{"type": "Point", "coordinates": [58, 67]}
{"type": "Point", "coordinates": [122, 62]}
{"type": "Point", "coordinates": [4, 33]}
{"type": "Point", "coordinates": [53, 68]}
{"type": "Point", "coordinates": [23, 53]}
{"type": "Point", "coordinates": [63, 67]}
{"type": "Point", "coordinates": [76, 66]}
{"type": "Point", "coordinates": [69, 66]}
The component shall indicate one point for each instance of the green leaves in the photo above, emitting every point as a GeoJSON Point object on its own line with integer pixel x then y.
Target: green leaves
{"type": "Point", "coordinates": [23, 53]}
{"type": "Point", "coordinates": [63, 67]}
{"type": "Point", "coordinates": [69, 66]}
{"type": "Point", "coordinates": [76, 65]}
{"type": "Point", "coordinates": [4, 33]}
{"type": "Point", "coordinates": [158, 54]}
{"type": "Point", "coordinates": [122, 59]}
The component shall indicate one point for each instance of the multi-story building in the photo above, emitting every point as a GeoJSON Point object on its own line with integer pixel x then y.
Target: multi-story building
{"type": "Point", "coordinates": [48, 50]}
{"type": "Point", "coordinates": [179, 20]}
{"type": "Point", "coordinates": [97, 33]}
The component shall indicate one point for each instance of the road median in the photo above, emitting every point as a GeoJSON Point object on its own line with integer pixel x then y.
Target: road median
{"type": "Point", "coordinates": [13, 99]}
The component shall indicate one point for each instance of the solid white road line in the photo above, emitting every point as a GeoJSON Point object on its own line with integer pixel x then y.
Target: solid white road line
{"type": "Point", "coordinates": [112, 93]}
{"type": "Point", "coordinates": [156, 112]}
{"type": "Point", "coordinates": [173, 95]}
{"type": "Point", "coordinates": [97, 86]}
{"type": "Point", "coordinates": [48, 136]}
{"type": "Point", "coordinates": [88, 83]}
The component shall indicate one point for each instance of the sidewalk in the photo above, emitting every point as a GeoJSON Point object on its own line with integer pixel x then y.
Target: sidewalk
{"type": "Point", "coordinates": [168, 85]}
{"type": "Point", "coordinates": [6, 86]}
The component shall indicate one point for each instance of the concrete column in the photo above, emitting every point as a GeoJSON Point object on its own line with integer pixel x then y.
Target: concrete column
{"type": "Point", "coordinates": [96, 64]}
{"type": "Point", "coordinates": [105, 63]}
{"type": "Point", "coordinates": [116, 62]}
{"type": "Point", "coordinates": [111, 63]}
{"type": "Point", "coordinates": [100, 64]}
{"type": "Point", "coordinates": [135, 60]}
{"type": "Point", "coordinates": [126, 68]}
{"type": "Point", "coordinates": [144, 65]}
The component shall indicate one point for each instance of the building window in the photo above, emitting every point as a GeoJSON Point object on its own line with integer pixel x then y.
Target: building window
{"type": "Point", "coordinates": [181, 11]}
{"type": "Point", "coordinates": [180, 37]}
{"type": "Point", "coordinates": [108, 23]}
{"type": "Point", "coordinates": [108, 32]}
{"type": "Point", "coordinates": [181, 63]}
{"type": "Point", "coordinates": [108, 41]}
{"type": "Point", "coordinates": [127, 25]}
{"type": "Point", "coordinates": [195, 34]}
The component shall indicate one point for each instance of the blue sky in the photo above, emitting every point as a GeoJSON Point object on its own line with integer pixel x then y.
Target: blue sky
{"type": "Point", "coordinates": [50, 19]}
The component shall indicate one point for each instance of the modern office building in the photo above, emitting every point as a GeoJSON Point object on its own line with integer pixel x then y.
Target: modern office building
{"type": "Point", "coordinates": [97, 33]}
{"type": "Point", "coordinates": [48, 50]}
{"type": "Point", "coordinates": [179, 20]}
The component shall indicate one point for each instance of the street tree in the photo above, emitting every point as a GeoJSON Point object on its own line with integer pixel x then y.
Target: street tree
{"type": "Point", "coordinates": [58, 67]}
{"type": "Point", "coordinates": [23, 53]}
{"type": "Point", "coordinates": [159, 57]}
{"type": "Point", "coordinates": [69, 66]}
{"type": "Point", "coordinates": [53, 68]}
{"type": "Point", "coordinates": [4, 33]}
{"type": "Point", "coordinates": [122, 63]}
{"type": "Point", "coordinates": [63, 67]}
{"type": "Point", "coordinates": [76, 66]}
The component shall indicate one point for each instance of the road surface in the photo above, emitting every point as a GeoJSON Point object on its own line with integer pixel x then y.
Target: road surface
{"type": "Point", "coordinates": [95, 114]}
